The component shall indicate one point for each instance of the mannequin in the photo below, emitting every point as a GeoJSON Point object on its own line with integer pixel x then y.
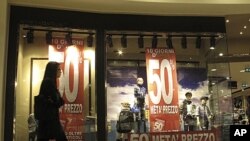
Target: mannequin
{"type": "Point", "coordinates": [140, 93]}
{"type": "Point", "coordinates": [204, 115]}
{"type": "Point", "coordinates": [187, 111]}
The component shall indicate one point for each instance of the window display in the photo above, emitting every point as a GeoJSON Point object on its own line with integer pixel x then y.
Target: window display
{"type": "Point", "coordinates": [167, 97]}
{"type": "Point", "coordinates": [178, 58]}
{"type": "Point", "coordinates": [76, 83]}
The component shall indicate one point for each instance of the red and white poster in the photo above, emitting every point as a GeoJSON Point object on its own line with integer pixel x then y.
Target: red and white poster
{"type": "Point", "coordinates": [162, 90]}
{"type": "Point", "coordinates": [70, 85]}
{"type": "Point", "coordinates": [206, 135]}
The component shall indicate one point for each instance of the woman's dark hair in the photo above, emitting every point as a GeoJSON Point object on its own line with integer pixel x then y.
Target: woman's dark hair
{"type": "Point", "coordinates": [51, 70]}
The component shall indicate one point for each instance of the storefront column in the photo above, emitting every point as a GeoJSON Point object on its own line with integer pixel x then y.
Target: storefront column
{"type": "Point", "coordinates": [101, 98]}
{"type": "Point", "coordinates": [3, 48]}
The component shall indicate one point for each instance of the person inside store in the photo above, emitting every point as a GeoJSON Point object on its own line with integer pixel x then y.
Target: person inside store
{"type": "Point", "coordinates": [140, 94]}
{"type": "Point", "coordinates": [47, 104]}
{"type": "Point", "coordinates": [204, 115]}
{"type": "Point", "coordinates": [187, 112]}
{"type": "Point", "coordinates": [248, 110]}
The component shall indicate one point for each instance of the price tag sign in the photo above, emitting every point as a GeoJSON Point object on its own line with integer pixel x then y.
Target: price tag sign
{"type": "Point", "coordinates": [162, 90]}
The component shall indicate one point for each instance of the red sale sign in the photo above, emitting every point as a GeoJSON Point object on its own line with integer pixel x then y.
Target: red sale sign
{"type": "Point", "coordinates": [70, 85]}
{"type": "Point", "coordinates": [162, 90]}
{"type": "Point", "coordinates": [206, 135]}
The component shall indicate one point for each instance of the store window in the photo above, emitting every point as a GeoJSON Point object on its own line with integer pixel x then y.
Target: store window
{"type": "Point", "coordinates": [74, 49]}
{"type": "Point", "coordinates": [111, 74]}
{"type": "Point", "coordinates": [220, 88]}
{"type": "Point", "coordinates": [150, 76]}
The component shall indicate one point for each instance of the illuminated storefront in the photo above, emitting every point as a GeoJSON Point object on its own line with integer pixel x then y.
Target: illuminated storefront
{"type": "Point", "coordinates": [97, 80]}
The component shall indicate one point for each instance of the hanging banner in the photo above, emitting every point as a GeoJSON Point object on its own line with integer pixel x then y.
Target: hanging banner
{"type": "Point", "coordinates": [70, 85]}
{"type": "Point", "coordinates": [206, 135]}
{"type": "Point", "coordinates": [162, 90]}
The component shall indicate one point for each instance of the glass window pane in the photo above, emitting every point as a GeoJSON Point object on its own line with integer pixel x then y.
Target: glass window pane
{"type": "Point", "coordinates": [74, 50]}
{"type": "Point", "coordinates": [146, 107]}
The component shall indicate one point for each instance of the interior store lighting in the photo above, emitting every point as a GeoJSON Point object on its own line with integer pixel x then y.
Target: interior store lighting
{"type": "Point", "coordinates": [184, 42]}
{"type": "Point", "coordinates": [221, 54]}
{"type": "Point", "coordinates": [120, 52]}
{"type": "Point", "coordinates": [124, 41]}
{"type": "Point", "coordinates": [48, 37]}
{"type": "Point", "coordinates": [169, 42]}
{"type": "Point", "coordinates": [198, 42]}
{"type": "Point", "coordinates": [109, 40]}
{"type": "Point", "coordinates": [68, 38]}
{"type": "Point", "coordinates": [140, 41]}
{"type": "Point", "coordinates": [154, 41]}
{"type": "Point", "coordinates": [90, 40]}
{"type": "Point", "coordinates": [30, 36]}
{"type": "Point", "coordinates": [212, 42]}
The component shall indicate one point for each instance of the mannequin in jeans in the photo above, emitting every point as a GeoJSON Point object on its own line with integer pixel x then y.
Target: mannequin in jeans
{"type": "Point", "coordinates": [203, 114]}
{"type": "Point", "coordinates": [187, 111]}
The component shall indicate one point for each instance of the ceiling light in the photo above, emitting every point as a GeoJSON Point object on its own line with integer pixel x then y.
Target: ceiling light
{"type": "Point", "coordinates": [169, 42]}
{"type": "Point", "coordinates": [140, 41]}
{"type": "Point", "coordinates": [154, 41]}
{"type": "Point", "coordinates": [109, 40]}
{"type": "Point", "coordinates": [184, 42]}
{"type": "Point", "coordinates": [212, 48]}
{"type": "Point", "coordinates": [48, 37]}
{"type": "Point", "coordinates": [241, 33]}
{"type": "Point", "coordinates": [124, 41]}
{"type": "Point", "coordinates": [120, 52]}
{"type": "Point", "coordinates": [227, 21]}
{"type": "Point", "coordinates": [198, 42]}
{"type": "Point", "coordinates": [242, 70]}
{"type": "Point", "coordinates": [30, 36]}
{"type": "Point", "coordinates": [212, 42]}
{"type": "Point", "coordinates": [220, 54]}
{"type": "Point", "coordinates": [245, 27]}
{"type": "Point", "coordinates": [68, 38]}
{"type": "Point", "coordinates": [90, 40]}
{"type": "Point", "coordinates": [213, 69]}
